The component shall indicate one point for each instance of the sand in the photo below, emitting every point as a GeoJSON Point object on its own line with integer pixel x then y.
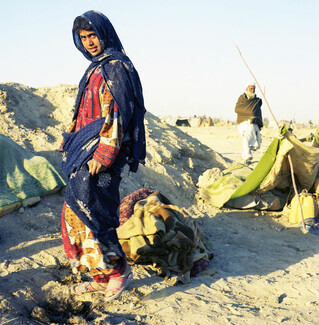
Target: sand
{"type": "Point", "coordinates": [265, 271]}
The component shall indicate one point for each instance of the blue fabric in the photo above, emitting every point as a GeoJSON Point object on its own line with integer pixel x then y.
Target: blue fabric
{"type": "Point", "coordinates": [78, 147]}
{"type": "Point", "coordinates": [123, 82]}
{"type": "Point", "coordinates": [95, 199]}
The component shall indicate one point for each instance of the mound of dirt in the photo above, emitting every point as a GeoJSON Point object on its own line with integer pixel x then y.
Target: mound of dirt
{"type": "Point", "coordinates": [36, 118]}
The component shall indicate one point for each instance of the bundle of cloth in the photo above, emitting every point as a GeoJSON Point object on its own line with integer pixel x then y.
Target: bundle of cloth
{"type": "Point", "coordinates": [156, 232]}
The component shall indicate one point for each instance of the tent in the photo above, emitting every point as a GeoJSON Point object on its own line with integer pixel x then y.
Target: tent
{"type": "Point", "coordinates": [264, 186]}
{"type": "Point", "coordinates": [24, 177]}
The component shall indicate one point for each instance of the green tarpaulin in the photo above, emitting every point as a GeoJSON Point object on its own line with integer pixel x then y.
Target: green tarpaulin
{"type": "Point", "coordinates": [272, 172]}
{"type": "Point", "coordinates": [23, 175]}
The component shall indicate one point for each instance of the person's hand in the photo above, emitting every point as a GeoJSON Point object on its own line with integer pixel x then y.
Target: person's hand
{"type": "Point", "coordinates": [95, 167]}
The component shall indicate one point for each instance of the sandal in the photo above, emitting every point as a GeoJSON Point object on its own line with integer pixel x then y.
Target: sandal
{"type": "Point", "coordinates": [87, 287]}
{"type": "Point", "coordinates": [117, 284]}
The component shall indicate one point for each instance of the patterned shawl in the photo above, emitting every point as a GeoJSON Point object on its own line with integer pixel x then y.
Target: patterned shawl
{"type": "Point", "coordinates": [123, 82]}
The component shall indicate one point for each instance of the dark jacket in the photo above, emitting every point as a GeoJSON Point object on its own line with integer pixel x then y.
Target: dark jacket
{"type": "Point", "coordinates": [249, 109]}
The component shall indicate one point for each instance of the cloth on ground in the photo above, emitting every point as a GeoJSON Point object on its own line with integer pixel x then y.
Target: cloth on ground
{"type": "Point", "coordinates": [24, 176]}
{"type": "Point", "coordinates": [164, 235]}
{"type": "Point", "coordinates": [272, 201]}
{"type": "Point", "coordinates": [312, 225]}
{"type": "Point", "coordinates": [272, 172]}
{"type": "Point", "coordinates": [219, 192]}
{"type": "Point", "coordinates": [126, 209]}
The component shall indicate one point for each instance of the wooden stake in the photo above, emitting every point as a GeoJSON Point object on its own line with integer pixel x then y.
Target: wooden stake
{"type": "Point", "coordinates": [289, 157]}
{"type": "Point", "coordinates": [296, 192]}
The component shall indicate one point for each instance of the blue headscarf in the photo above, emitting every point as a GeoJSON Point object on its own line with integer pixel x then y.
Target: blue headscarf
{"type": "Point", "coordinates": [105, 32]}
{"type": "Point", "coordinates": [121, 79]}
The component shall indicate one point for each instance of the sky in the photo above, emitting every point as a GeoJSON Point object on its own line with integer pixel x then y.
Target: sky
{"type": "Point", "coordinates": [184, 51]}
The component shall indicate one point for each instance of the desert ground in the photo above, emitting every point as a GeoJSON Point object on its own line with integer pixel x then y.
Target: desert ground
{"type": "Point", "coordinates": [264, 270]}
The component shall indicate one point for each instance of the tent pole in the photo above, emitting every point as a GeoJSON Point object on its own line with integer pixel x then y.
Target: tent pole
{"type": "Point", "coordinates": [258, 86]}
{"type": "Point", "coordinates": [289, 157]}
{"type": "Point", "coordinates": [296, 192]}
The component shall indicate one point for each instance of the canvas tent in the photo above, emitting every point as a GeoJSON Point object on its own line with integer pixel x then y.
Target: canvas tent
{"type": "Point", "coordinates": [24, 177]}
{"type": "Point", "coordinates": [263, 187]}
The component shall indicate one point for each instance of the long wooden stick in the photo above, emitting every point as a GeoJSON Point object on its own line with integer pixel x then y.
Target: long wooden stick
{"type": "Point", "coordinates": [296, 192]}
{"type": "Point", "coordinates": [257, 85]}
{"type": "Point", "coordinates": [289, 157]}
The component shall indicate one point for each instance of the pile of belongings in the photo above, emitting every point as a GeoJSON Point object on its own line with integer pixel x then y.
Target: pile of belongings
{"type": "Point", "coordinates": [268, 185]}
{"type": "Point", "coordinates": [24, 177]}
{"type": "Point", "coordinates": [157, 233]}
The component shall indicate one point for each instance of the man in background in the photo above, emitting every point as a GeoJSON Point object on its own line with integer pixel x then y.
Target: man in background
{"type": "Point", "coordinates": [249, 121]}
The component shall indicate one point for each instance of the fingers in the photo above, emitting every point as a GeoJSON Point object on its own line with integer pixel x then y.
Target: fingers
{"type": "Point", "coordinates": [95, 167]}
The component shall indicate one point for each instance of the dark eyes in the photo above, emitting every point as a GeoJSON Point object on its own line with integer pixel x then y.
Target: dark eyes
{"type": "Point", "coordinates": [88, 36]}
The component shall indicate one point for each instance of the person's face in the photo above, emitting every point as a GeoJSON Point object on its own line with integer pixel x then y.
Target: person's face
{"type": "Point", "coordinates": [90, 42]}
{"type": "Point", "coordinates": [251, 89]}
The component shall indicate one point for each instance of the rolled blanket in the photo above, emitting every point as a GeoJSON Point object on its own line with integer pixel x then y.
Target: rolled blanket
{"type": "Point", "coordinates": [165, 236]}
